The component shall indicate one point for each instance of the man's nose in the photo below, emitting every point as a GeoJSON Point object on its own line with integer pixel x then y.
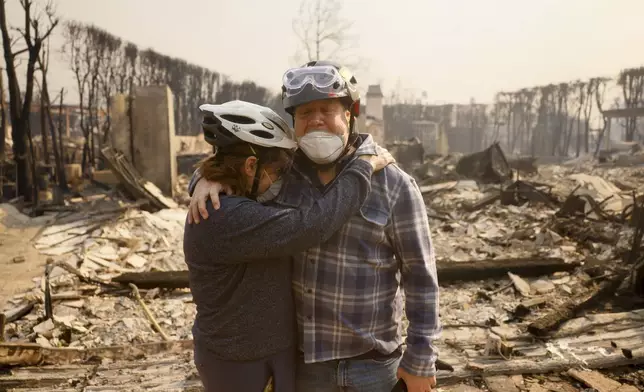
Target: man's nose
{"type": "Point", "coordinates": [316, 119]}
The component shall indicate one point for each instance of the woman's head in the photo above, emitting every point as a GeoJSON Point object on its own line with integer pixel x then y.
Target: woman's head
{"type": "Point", "coordinates": [254, 146]}
{"type": "Point", "coordinates": [237, 166]}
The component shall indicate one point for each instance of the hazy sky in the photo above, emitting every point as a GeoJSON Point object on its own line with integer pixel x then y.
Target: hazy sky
{"type": "Point", "coordinates": [453, 49]}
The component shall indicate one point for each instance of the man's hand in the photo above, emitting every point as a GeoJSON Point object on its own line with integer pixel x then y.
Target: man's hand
{"type": "Point", "coordinates": [204, 190]}
{"type": "Point", "coordinates": [416, 383]}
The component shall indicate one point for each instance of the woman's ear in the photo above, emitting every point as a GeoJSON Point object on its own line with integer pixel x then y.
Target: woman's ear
{"type": "Point", "coordinates": [250, 166]}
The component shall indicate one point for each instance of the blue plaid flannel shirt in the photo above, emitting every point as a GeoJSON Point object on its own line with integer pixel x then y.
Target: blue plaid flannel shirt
{"type": "Point", "coordinates": [348, 290]}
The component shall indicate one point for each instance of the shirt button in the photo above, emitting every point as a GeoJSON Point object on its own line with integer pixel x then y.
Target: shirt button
{"type": "Point", "coordinates": [309, 291]}
{"type": "Point", "coordinates": [309, 317]}
{"type": "Point", "coordinates": [312, 261]}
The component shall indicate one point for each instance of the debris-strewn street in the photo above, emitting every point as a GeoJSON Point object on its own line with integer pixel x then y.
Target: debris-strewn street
{"type": "Point", "coordinates": [538, 272]}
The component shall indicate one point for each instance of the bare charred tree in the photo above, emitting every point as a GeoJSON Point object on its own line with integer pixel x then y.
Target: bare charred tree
{"type": "Point", "coordinates": [98, 42]}
{"type": "Point", "coordinates": [63, 181]}
{"type": "Point", "coordinates": [33, 33]}
{"type": "Point", "coordinates": [591, 87]}
{"type": "Point", "coordinates": [104, 64]}
{"type": "Point", "coordinates": [3, 117]}
{"type": "Point", "coordinates": [522, 118]}
{"type": "Point", "coordinates": [90, 53]}
{"type": "Point", "coordinates": [511, 120]}
{"type": "Point", "coordinates": [78, 53]}
{"type": "Point", "coordinates": [107, 75]}
{"type": "Point", "coordinates": [600, 90]}
{"type": "Point", "coordinates": [508, 114]}
{"type": "Point", "coordinates": [540, 134]}
{"type": "Point", "coordinates": [499, 115]}
{"type": "Point", "coordinates": [575, 103]}
{"type": "Point", "coordinates": [43, 124]}
{"type": "Point", "coordinates": [528, 97]}
{"type": "Point", "coordinates": [323, 33]}
{"type": "Point", "coordinates": [48, 122]}
{"type": "Point", "coordinates": [632, 82]}
{"type": "Point", "coordinates": [561, 109]}
{"type": "Point", "coordinates": [128, 60]}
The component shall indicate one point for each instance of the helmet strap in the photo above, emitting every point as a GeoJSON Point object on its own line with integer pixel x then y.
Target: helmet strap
{"type": "Point", "coordinates": [258, 173]}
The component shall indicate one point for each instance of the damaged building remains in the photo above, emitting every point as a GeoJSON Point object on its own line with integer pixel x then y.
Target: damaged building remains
{"type": "Point", "coordinates": [536, 212]}
{"type": "Point", "coordinates": [541, 279]}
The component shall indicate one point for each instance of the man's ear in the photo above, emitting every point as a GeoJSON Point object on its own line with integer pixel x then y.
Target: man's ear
{"type": "Point", "coordinates": [250, 166]}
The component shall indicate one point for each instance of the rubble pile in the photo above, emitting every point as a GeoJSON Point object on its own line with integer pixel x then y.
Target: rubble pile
{"type": "Point", "coordinates": [486, 227]}
{"type": "Point", "coordinates": [487, 223]}
{"type": "Point", "coordinates": [88, 248]}
{"type": "Point", "coordinates": [538, 267]}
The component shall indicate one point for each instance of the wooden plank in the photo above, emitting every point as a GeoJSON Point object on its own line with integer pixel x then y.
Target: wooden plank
{"type": "Point", "coordinates": [580, 325]}
{"type": "Point", "coordinates": [556, 317]}
{"type": "Point", "coordinates": [483, 269]}
{"type": "Point", "coordinates": [599, 382]}
{"type": "Point", "coordinates": [180, 374]}
{"type": "Point", "coordinates": [132, 181]}
{"type": "Point", "coordinates": [163, 374]}
{"type": "Point", "coordinates": [154, 279]}
{"type": "Point", "coordinates": [29, 354]}
{"type": "Point", "coordinates": [481, 367]}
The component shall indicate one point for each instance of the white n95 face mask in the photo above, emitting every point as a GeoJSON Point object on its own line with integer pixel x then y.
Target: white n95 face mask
{"type": "Point", "coordinates": [321, 146]}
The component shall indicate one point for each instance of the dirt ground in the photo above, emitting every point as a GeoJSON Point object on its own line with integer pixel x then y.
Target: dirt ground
{"type": "Point", "coordinates": [20, 262]}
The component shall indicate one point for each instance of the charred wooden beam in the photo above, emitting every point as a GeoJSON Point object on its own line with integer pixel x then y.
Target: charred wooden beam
{"type": "Point", "coordinates": [484, 269]}
{"type": "Point", "coordinates": [447, 272]}
{"type": "Point", "coordinates": [30, 354]}
{"type": "Point", "coordinates": [584, 233]}
{"type": "Point", "coordinates": [3, 320]}
{"type": "Point", "coordinates": [529, 366]}
{"type": "Point", "coordinates": [19, 312]}
{"type": "Point", "coordinates": [571, 308]}
{"type": "Point", "coordinates": [155, 279]}
{"type": "Point", "coordinates": [520, 191]}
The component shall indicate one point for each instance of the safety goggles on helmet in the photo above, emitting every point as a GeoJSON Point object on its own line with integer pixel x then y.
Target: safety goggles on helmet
{"type": "Point", "coordinates": [324, 78]}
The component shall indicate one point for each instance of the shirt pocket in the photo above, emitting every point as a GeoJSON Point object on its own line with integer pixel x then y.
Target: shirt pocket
{"type": "Point", "coordinates": [376, 210]}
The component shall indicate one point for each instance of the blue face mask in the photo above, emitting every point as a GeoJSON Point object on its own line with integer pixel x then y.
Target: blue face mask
{"type": "Point", "coordinates": [271, 192]}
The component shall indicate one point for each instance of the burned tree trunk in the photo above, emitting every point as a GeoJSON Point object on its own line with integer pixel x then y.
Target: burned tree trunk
{"type": "Point", "coordinates": [43, 125]}
{"type": "Point", "coordinates": [19, 105]}
{"type": "Point", "coordinates": [3, 116]}
{"type": "Point", "coordinates": [632, 83]}
{"type": "Point", "coordinates": [56, 145]}
{"type": "Point", "coordinates": [18, 123]}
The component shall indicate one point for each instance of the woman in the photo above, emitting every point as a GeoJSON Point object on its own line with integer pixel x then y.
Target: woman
{"type": "Point", "coordinates": [238, 259]}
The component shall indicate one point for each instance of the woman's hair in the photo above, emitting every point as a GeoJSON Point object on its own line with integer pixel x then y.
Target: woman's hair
{"type": "Point", "coordinates": [226, 165]}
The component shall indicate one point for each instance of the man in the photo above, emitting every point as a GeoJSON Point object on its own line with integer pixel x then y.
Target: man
{"type": "Point", "coordinates": [348, 302]}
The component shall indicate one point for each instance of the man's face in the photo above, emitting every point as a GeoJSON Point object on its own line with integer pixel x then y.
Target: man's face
{"type": "Point", "coordinates": [324, 115]}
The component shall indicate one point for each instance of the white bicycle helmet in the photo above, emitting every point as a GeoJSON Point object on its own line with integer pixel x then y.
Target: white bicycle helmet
{"type": "Point", "coordinates": [237, 122]}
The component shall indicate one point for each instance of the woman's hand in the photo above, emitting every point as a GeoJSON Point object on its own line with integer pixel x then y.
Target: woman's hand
{"type": "Point", "coordinates": [204, 190]}
{"type": "Point", "coordinates": [380, 160]}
